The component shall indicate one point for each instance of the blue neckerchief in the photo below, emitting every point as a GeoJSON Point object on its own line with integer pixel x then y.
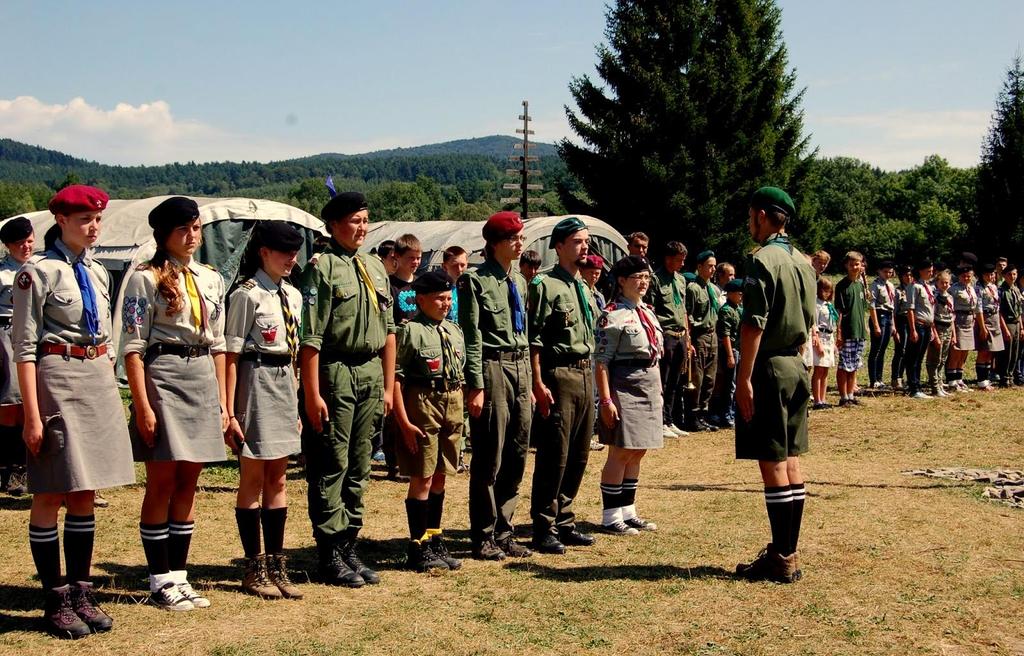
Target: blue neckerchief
{"type": "Point", "coordinates": [515, 301]}
{"type": "Point", "coordinates": [781, 241]}
{"type": "Point", "coordinates": [91, 312]}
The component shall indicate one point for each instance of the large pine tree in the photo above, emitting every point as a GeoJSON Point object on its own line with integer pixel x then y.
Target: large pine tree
{"type": "Point", "coordinates": [698, 108]}
{"type": "Point", "coordinates": [1000, 226]}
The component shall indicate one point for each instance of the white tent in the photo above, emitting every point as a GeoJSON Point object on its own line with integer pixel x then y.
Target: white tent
{"type": "Point", "coordinates": [436, 236]}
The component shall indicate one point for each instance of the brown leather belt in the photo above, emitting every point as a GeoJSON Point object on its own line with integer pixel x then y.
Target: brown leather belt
{"type": "Point", "coordinates": [72, 351]}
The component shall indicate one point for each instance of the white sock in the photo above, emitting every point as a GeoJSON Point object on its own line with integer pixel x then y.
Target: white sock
{"type": "Point", "coordinates": [179, 576]}
{"type": "Point", "coordinates": [611, 515]}
{"type": "Point", "coordinates": [158, 581]}
{"type": "Point", "coordinates": [629, 512]}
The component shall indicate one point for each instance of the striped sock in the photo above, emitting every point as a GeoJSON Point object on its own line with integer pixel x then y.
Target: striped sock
{"type": "Point", "coordinates": [46, 554]}
{"type": "Point", "coordinates": [79, 534]}
{"type": "Point", "coordinates": [179, 539]}
{"type": "Point", "coordinates": [154, 543]}
{"type": "Point", "coordinates": [799, 493]}
{"type": "Point", "coordinates": [779, 502]}
{"type": "Point", "coordinates": [611, 495]}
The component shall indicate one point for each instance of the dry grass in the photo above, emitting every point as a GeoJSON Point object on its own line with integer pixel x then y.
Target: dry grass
{"type": "Point", "coordinates": [893, 564]}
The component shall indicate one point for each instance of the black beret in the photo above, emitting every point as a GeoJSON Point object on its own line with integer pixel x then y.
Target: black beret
{"type": "Point", "coordinates": [629, 265]}
{"type": "Point", "coordinates": [925, 264]}
{"type": "Point", "coordinates": [279, 236]}
{"type": "Point", "coordinates": [964, 268]}
{"type": "Point", "coordinates": [174, 212]}
{"type": "Point", "coordinates": [886, 264]}
{"type": "Point", "coordinates": [734, 285]}
{"type": "Point", "coordinates": [968, 256]}
{"type": "Point", "coordinates": [432, 281]}
{"type": "Point", "coordinates": [988, 267]}
{"type": "Point", "coordinates": [15, 230]}
{"type": "Point", "coordinates": [1009, 267]}
{"type": "Point", "coordinates": [903, 269]}
{"type": "Point", "coordinates": [345, 203]}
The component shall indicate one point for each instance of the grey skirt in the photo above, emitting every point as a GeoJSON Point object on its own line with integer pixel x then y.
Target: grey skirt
{"type": "Point", "coordinates": [995, 335]}
{"type": "Point", "coordinates": [963, 324]}
{"type": "Point", "coordinates": [85, 437]}
{"type": "Point", "coordinates": [10, 393]}
{"type": "Point", "coordinates": [184, 395]}
{"type": "Point", "coordinates": [636, 393]}
{"type": "Point", "coordinates": [266, 409]}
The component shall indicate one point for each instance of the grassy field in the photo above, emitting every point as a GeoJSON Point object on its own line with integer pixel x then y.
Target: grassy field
{"type": "Point", "coordinates": [892, 564]}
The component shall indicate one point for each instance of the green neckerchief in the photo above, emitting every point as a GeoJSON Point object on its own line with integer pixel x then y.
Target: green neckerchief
{"type": "Point", "coordinates": [713, 297]}
{"type": "Point", "coordinates": [676, 296]}
{"type": "Point", "coordinates": [588, 314]}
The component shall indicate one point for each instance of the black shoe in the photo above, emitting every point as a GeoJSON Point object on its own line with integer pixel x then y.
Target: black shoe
{"type": "Point", "coordinates": [488, 550]}
{"type": "Point", "coordinates": [573, 538]}
{"type": "Point", "coordinates": [708, 426]}
{"type": "Point", "coordinates": [441, 551]}
{"type": "Point", "coordinates": [548, 544]}
{"type": "Point", "coordinates": [60, 617]}
{"type": "Point", "coordinates": [351, 558]}
{"type": "Point", "coordinates": [694, 426]}
{"type": "Point", "coordinates": [421, 558]}
{"type": "Point", "coordinates": [84, 603]}
{"type": "Point", "coordinates": [333, 568]}
{"type": "Point", "coordinates": [513, 549]}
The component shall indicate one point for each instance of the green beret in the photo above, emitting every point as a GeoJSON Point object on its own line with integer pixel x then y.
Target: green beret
{"type": "Point", "coordinates": [690, 276]}
{"type": "Point", "coordinates": [773, 198]}
{"type": "Point", "coordinates": [734, 285]}
{"type": "Point", "coordinates": [704, 256]}
{"type": "Point", "coordinates": [567, 226]}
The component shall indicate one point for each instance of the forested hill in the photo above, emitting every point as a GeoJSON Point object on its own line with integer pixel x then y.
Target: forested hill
{"type": "Point", "coordinates": [498, 146]}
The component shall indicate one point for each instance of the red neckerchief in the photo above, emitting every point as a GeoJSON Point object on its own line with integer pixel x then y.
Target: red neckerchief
{"type": "Point", "coordinates": [649, 329]}
{"type": "Point", "coordinates": [928, 290]}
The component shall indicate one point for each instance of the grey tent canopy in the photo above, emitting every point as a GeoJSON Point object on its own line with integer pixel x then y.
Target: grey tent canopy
{"type": "Point", "coordinates": [436, 236]}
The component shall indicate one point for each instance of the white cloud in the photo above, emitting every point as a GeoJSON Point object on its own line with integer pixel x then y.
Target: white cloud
{"type": "Point", "coordinates": [901, 139]}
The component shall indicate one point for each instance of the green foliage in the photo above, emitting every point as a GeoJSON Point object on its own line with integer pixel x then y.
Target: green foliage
{"type": "Point", "coordinates": [697, 109]}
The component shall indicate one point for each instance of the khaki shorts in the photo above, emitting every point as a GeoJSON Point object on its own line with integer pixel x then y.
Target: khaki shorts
{"type": "Point", "coordinates": [778, 429]}
{"type": "Point", "coordinates": [439, 415]}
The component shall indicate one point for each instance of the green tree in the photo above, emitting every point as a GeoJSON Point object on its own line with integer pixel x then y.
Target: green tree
{"type": "Point", "coordinates": [698, 108]}
{"type": "Point", "coordinates": [310, 195]}
{"type": "Point", "coordinates": [400, 201]}
{"type": "Point", "coordinates": [1000, 225]}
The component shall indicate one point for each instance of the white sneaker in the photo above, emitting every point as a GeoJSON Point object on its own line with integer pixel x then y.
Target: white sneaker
{"type": "Point", "coordinates": [919, 395]}
{"type": "Point", "coordinates": [941, 393]}
{"type": "Point", "coordinates": [668, 432]}
{"type": "Point", "coordinates": [640, 524]}
{"type": "Point", "coordinates": [170, 597]}
{"type": "Point", "coordinates": [198, 600]}
{"type": "Point", "coordinates": [619, 528]}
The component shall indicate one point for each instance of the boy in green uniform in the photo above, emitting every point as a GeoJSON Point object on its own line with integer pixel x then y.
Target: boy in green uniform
{"type": "Point", "coordinates": [703, 303]}
{"type": "Point", "coordinates": [1011, 303]}
{"type": "Point", "coordinates": [492, 314]}
{"type": "Point", "coordinates": [667, 296]}
{"type": "Point", "coordinates": [561, 327]}
{"type": "Point", "coordinates": [348, 372]}
{"type": "Point", "coordinates": [778, 308]}
{"type": "Point", "coordinates": [851, 303]}
{"type": "Point", "coordinates": [428, 414]}
{"type": "Point", "coordinates": [723, 408]}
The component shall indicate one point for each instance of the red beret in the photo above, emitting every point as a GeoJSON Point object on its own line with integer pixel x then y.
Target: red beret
{"type": "Point", "coordinates": [502, 226]}
{"type": "Point", "coordinates": [594, 262]}
{"type": "Point", "coordinates": [78, 198]}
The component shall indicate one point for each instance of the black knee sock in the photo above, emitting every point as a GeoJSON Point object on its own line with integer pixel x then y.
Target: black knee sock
{"type": "Point", "coordinates": [416, 512]}
{"type": "Point", "coordinates": [799, 493]}
{"type": "Point", "coordinates": [154, 543]}
{"type": "Point", "coordinates": [629, 486]}
{"type": "Point", "coordinates": [435, 509]}
{"type": "Point", "coordinates": [779, 501]}
{"type": "Point", "coordinates": [46, 554]}
{"type": "Point", "coordinates": [79, 534]}
{"type": "Point", "coordinates": [248, 520]}
{"type": "Point", "coordinates": [982, 370]}
{"type": "Point", "coordinates": [179, 539]}
{"type": "Point", "coordinates": [611, 495]}
{"type": "Point", "coordinates": [273, 528]}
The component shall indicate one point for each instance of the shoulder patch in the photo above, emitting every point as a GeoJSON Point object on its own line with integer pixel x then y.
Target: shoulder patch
{"type": "Point", "coordinates": [248, 284]}
{"type": "Point", "coordinates": [24, 280]}
{"type": "Point", "coordinates": [142, 266]}
{"type": "Point", "coordinates": [609, 307]}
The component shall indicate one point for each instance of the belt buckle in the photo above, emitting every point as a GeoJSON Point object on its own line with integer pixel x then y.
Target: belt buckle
{"type": "Point", "coordinates": [192, 352]}
{"type": "Point", "coordinates": [91, 352]}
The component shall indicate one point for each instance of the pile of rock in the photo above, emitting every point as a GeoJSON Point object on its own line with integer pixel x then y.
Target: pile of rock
{"type": "Point", "coordinates": [1003, 485]}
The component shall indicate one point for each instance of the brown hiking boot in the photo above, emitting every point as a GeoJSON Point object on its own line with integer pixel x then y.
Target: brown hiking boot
{"type": "Point", "coordinates": [60, 617]}
{"type": "Point", "coordinates": [84, 603]}
{"type": "Point", "coordinates": [770, 566]}
{"type": "Point", "coordinates": [257, 581]}
{"type": "Point", "coordinates": [277, 569]}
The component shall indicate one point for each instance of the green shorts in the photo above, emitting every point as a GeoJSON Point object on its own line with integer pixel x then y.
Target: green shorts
{"type": "Point", "coordinates": [439, 415]}
{"type": "Point", "coordinates": [778, 429]}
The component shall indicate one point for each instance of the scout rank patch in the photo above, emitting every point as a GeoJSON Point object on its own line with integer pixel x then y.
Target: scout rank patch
{"type": "Point", "coordinates": [309, 295]}
{"type": "Point", "coordinates": [24, 280]}
{"type": "Point", "coordinates": [133, 312]}
{"type": "Point", "coordinates": [269, 334]}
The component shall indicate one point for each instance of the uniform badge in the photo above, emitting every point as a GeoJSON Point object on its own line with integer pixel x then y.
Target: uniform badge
{"type": "Point", "coordinates": [269, 334]}
{"type": "Point", "coordinates": [309, 295]}
{"type": "Point", "coordinates": [602, 322]}
{"type": "Point", "coordinates": [24, 280]}
{"type": "Point", "coordinates": [434, 364]}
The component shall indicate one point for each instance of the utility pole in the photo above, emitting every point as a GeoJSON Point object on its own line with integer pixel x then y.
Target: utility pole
{"type": "Point", "coordinates": [524, 172]}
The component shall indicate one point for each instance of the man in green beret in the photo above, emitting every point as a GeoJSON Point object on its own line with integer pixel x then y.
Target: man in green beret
{"type": "Point", "coordinates": [703, 303]}
{"type": "Point", "coordinates": [667, 295]}
{"type": "Point", "coordinates": [772, 387]}
{"type": "Point", "coordinates": [561, 322]}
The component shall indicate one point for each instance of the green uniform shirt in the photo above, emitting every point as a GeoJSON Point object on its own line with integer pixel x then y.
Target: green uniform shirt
{"type": "Point", "coordinates": [420, 355]}
{"type": "Point", "coordinates": [668, 298]}
{"type": "Point", "coordinates": [851, 304]}
{"type": "Point", "coordinates": [778, 296]}
{"type": "Point", "coordinates": [339, 314]}
{"type": "Point", "coordinates": [703, 315]}
{"type": "Point", "coordinates": [556, 319]}
{"type": "Point", "coordinates": [1010, 302]}
{"type": "Point", "coordinates": [729, 324]}
{"type": "Point", "coordinates": [486, 317]}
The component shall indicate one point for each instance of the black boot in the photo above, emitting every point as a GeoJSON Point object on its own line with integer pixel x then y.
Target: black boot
{"type": "Point", "coordinates": [351, 558]}
{"type": "Point", "coordinates": [421, 558]}
{"type": "Point", "coordinates": [60, 617]}
{"type": "Point", "coordinates": [333, 568]}
{"type": "Point", "coordinates": [438, 547]}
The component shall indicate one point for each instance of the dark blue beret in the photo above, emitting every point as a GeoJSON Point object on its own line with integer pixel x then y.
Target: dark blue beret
{"type": "Point", "coordinates": [279, 236]}
{"type": "Point", "coordinates": [15, 230]}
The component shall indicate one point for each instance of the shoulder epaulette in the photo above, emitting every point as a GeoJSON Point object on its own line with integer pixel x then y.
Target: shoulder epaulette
{"type": "Point", "coordinates": [142, 266]}
{"type": "Point", "coordinates": [209, 266]}
{"type": "Point", "coordinates": [248, 284]}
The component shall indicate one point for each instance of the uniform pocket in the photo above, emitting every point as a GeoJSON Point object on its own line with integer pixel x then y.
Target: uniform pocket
{"type": "Point", "coordinates": [54, 434]}
{"type": "Point", "coordinates": [431, 360]}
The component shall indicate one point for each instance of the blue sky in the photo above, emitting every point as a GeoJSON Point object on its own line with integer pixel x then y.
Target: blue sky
{"type": "Point", "coordinates": [139, 82]}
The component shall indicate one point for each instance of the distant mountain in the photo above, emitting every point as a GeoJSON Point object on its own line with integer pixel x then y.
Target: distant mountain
{"type": "Point", "coordinates": [496, 145]}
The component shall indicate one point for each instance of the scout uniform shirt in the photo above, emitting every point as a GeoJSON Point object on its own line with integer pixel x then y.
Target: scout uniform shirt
{"type": "Point", "coordinates": [1011, 302]}
{"type": "Point", "coordinates": [486, 315]}
{"type": "Point", "coordinates": [921, 299]}
{"type": "Point", "coordinates": [729, 324]}
{"type": "Point", "coordinates": [423, 358]}
{"type": "Point", "coordinates": [904, 300]}
{"type": "Point", "coordinates": [562, 315]}
{"type": "Point", "coordinates": [200, 322]}
{"type": "Point", "coordinates": [965, 299]}
{"type": "Point", "coordinates": [988, 297]}
{"type": "Point", "coordinates": [944, 308]}
{"type": "Point", "coordinates": [703, 304]}
{"type": "Point", "coordinates": [623, 334]}
{"type": "Point", "coordinates": [8, 270]}
{"type": "Point", "coordinates": [256, 321]}
{"type": "Point", "coordinates": [344, 311]}
{"type": "Point", "coordinates": [47, 295]}
{"type": "Point", "coordinates": [779, 298]}
{"type": "Point", "coordinates": [667, 297]}
{"type": "Point", "coordinates": [883, 295]}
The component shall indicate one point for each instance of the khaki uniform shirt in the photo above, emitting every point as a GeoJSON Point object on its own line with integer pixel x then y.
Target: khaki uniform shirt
{"type": "Point", "coordinates": [779, 296]}
{"type": "Point", "coordinates": [556, 320]}
{"type": "Point", "coordinates": [943, 308]}
{"type": "Point", "coordinates": [485, 315]}
{"type": "Point", "coordinates": [144, 316]}
{"type": "Point", "coordinates": [666, 288]}
{"type": "Point", "coordinates": [8, 270]}
{"type": "Point", "coordinates": [729, 324]}
{"type": "Point", "coordinates": [883, 295]}
{"type": "Point", "coordinates": [255, 320]}
{"type": "Point", "coordinates": [48, 304]}
{"type": "Point", "coordinates": [621, 336]}
{"type": "Point", "coordinates": [988, 296]}
{"type": "Point", "coordinates": [965, 298]}
{"type": "Point", "coordinates": [703, 315]}
{"type": "Point", "coordinates": [1011, 302]}
{"type": "Point", "coordinates": [338, 310]}
{"type": "Point", "coordinates": [420, 355]}
{"type": "Point", "coordinates": [921, 298]}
